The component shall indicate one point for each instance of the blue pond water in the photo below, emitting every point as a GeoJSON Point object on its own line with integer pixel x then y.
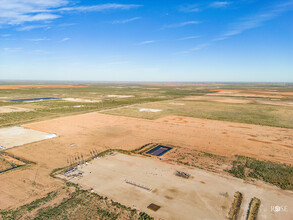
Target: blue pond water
{"type": "Point", "coordinates": [159, 150]}
{"type": "Point", "coordinates": [33, 100]}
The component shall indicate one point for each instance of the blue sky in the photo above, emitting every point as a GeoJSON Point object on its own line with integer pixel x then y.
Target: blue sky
{"type": "Point", "coordinates": [153, 40]}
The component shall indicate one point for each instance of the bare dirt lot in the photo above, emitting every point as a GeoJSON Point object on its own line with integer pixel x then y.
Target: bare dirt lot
{"type": "Point", "coordinates": [100, 131]}
{"type": "Point", "coordinates": [7, 109]}
{"type": "Point", "coordinates": [81, 100]}
{"type": "Point", "coordinates": [178, 198]}
{"type": "Point", "coordinates": [37, 86]}
{"type": "Point", "coordinates": [16, 136]}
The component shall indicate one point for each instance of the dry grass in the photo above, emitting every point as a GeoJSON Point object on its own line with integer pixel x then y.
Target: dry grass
{"type": "Point", "coordinates": [277, 116]}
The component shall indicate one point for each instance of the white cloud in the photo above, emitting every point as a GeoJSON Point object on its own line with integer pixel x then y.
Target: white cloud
{"type": "Point", "coordinates": [101, 7]}
{"type": "Point", "coordinates": [16, 12]}
{"type": "Point", "coordinates": [125, 20]}
{"type": "Point", "coordinates": [12, 50]}
{"type": "Point", "coordinates": [146, 42]}
{"type": "Point", "coordinates": [66, 39]}
{"type": "Point", "coordinates": [220, 4]}
{"type": "Point", "coordinates": [20, 19]}
{"type": "Point", "coordinates": [255, 20]}
{"type": "Point", "coordinates": [189, 38]}
{"type": "Point", "coordinates": [182, 24]}
{"type": "Point", "coordinates": [5, 35]}
{"type": "Point", "coordinates": [39, 39]}
{"type": "Point", "coordinates": [31, 27]}
{"type": "Point", "coordinates": [250, 23]}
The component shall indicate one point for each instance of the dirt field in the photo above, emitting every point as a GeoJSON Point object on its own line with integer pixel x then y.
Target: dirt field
{"type": "Point", "coordinates": [100, 131]}
{"type": "Point", "coordinates": [252, 93]}
{"type": "Point", "coordinates": [12, 160]}
{"type": "Point", "coordinates": [6, 162]}
{"type": "Point", "coordinates": [179, 198]}
{"type": "Point", "coordinates": [37, 86]}
{"type": "Point", "coordinates": [4, 165]}
{"type": "Point", "coordinates": [223, 138]}
{"type": "Point", "coordinates": [7, 109]}
{"type": "Point", "coordinates": [16, 136]}
{"type": "Point", "coordinates": [194, 158]}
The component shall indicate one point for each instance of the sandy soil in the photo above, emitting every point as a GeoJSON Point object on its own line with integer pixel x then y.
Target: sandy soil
{"type": "Point", "coordinates": [149, 110]}
{"type": "Point", "coordinates": [7, 109]}
{"type": "Point", "coordinates": [223, 138]}
{"type": "Point", "coordinates": [16, 136]}
{"type": "Point", "coordinates": [252, 93]}
{"type": "Point", "coordinates": [6, 160]}
{"type": "Point", "coordinates": [37, 86]}
{"type": "Point", "coordinates": [80, 100]}
{"type": "Point", "coordinates": [179, 198]}
{"type": "Point", "coordinates": [12, 160]}
{"type": "Point", "coordinates": [4, 165]}
{"type": "Point", "coordinates": [118, 96]}
{"type": "Point", "coordinates": [100, 131]}
{"type": "Point", "coordinates": [194, 158]}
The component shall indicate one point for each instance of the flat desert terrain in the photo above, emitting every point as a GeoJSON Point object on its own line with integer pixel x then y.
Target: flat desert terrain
{"type": "Point", "coordinates": [37, 86]}
{"type": "Point", "coordinates": [82, 133]}
{"type": "Point", "coordinates": [7, 109]}
{"type": "Point", "coordinates": [178, 198]}
{"type": "Point", "coordinates": [252, 93]}
{"type": "Point", "coordinates": [223, 138]}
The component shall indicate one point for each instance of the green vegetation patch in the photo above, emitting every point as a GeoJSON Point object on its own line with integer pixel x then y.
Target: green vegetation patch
{"type": "Point", "coordinates": [19, 212]}
{"type": "Point", "coordinates": [144, 216]}
{"type": "Point", "coordinates": [80, 204]}
{"type": "Point", "coordinates": [277, 174]}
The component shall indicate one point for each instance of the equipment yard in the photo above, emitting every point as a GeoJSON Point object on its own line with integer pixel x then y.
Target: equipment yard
{"type": "Point", "coordinates": [177, 197]}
